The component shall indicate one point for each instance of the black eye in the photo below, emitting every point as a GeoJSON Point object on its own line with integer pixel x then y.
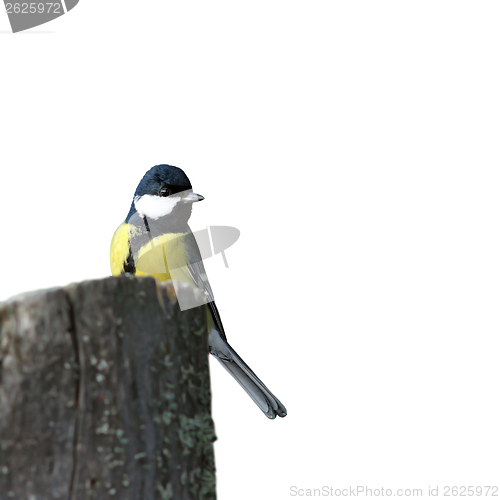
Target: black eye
{"type": "Point", "coordinates": [164, 191]}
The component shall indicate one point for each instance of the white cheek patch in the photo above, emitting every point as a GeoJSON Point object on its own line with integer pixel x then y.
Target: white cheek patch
{"type": "Point", "coordinates": [154, 207]}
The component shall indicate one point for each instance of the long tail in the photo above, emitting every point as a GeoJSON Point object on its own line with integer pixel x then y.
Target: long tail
{"type": "Point", "coordinates": [253, 386]}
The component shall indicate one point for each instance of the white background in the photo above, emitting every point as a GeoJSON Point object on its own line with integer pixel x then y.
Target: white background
{"type": "Point", "coordinates": [356, 147]}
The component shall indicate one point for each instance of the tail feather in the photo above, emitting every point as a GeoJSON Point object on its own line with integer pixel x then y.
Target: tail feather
{"type": "Point", "coordinates": [242, 373]}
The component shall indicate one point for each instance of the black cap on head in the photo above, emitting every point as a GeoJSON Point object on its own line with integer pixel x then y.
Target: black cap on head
{"type": "Point", "coordinates": [163, 175]}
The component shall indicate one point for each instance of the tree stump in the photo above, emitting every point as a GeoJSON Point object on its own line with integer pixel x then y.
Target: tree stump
{"type": "Point", "coordinates": [105, 393]}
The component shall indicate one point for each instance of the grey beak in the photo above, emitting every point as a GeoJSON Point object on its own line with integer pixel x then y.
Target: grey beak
{"type": "Point", "coordinates": [192, 197]}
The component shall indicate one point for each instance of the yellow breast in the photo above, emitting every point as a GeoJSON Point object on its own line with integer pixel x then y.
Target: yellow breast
{"type": "Point", "coordinates": [164, 257]}
{"type": "Point", "coordinates": [153, 259]}
{"type": "Point", "coordinates": [119, 249]}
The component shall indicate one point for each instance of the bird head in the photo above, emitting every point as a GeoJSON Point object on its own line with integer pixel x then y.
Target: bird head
{"type": "Point", "coordinates": [164, 190]}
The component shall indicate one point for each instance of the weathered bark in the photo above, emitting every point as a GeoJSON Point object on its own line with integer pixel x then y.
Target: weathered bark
{"type": "Point", "coordinates": [105, 392]}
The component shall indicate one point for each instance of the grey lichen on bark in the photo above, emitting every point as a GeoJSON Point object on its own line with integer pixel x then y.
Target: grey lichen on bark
{"type": "Point", "coordinates": [105, 392]}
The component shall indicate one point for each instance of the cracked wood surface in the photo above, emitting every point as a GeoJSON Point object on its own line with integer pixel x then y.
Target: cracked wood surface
{"type": "Point", "coordinates": [105, 392]}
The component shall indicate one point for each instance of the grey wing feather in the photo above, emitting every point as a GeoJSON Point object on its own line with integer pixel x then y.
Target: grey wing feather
{"type": "Point", "coordinates": [199, 276]}
{"type": "Point", "coordinates": [219, 346]}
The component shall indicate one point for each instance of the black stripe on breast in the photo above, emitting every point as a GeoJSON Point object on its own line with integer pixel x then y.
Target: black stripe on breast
{"type": "Point", "coordinates": [129, 265]}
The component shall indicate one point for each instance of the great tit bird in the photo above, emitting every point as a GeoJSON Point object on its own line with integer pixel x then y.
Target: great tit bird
{"type": "Point", "coordinates": [155, 240]}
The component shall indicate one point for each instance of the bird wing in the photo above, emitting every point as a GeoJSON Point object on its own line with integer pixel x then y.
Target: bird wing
{"type": "Point", "coordinates": [197, 272]}
{"type": "Point", "coordinates": [217, 340]}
